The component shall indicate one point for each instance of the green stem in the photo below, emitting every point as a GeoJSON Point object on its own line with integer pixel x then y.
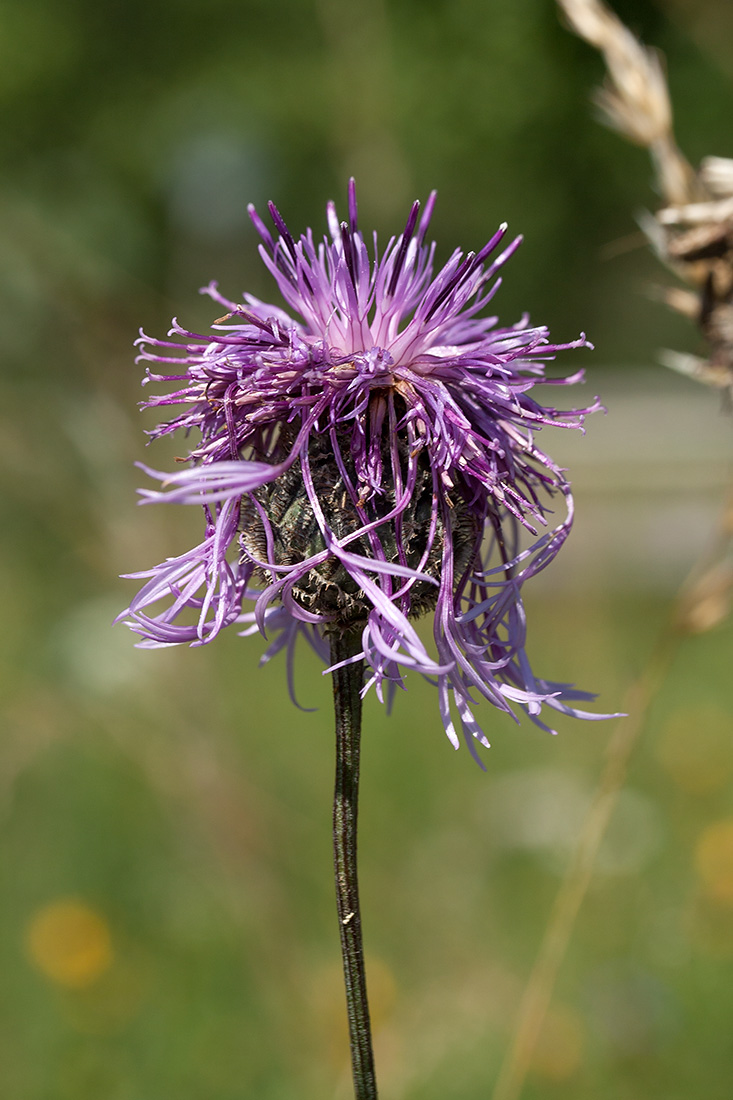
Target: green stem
{"type": "Point", "coordinates": [347, 682]}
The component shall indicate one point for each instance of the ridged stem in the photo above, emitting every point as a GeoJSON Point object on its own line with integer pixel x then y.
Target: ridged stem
{"type": "Point", "coordinates": [347, 682]}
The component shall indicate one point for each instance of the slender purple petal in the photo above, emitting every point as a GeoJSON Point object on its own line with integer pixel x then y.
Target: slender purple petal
{"type": "Point", "coordinates": [383, 446]}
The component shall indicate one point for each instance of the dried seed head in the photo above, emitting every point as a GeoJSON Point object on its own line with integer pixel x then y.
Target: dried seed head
{"type": "Point", "coordinates": [634, 98]}
{"type": "Point", "coordinates": [693, 232]}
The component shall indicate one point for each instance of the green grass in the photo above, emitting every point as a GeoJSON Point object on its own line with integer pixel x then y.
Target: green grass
{"type": "Point", "coordinates": [188, 806]}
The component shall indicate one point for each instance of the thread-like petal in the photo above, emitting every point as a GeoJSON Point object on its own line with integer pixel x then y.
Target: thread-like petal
{"type": "Point", "coordinates": [373, 459]}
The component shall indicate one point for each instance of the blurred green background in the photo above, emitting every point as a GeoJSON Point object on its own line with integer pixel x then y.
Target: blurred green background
{"type": "Point", "coordinates": [168, 925]}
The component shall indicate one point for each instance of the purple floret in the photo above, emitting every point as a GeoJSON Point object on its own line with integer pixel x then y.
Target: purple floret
{"type": "Point", "coordinates": [391, 392]}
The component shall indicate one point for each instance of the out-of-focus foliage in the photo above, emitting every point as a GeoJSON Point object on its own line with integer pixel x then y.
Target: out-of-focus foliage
{"type": "Point", "coordinates": [137, 132]}
{"type": "Point", "coordinates": [168, 927]}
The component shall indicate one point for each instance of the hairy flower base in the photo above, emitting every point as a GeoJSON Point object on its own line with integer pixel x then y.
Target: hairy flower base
{"type": "Point", "coordinates": [367, 464]}
{"type": "Point", "coordinates": [329, 589]}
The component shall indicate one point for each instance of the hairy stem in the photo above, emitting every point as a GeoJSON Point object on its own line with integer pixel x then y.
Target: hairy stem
{"type": "Point", "coordinates": [347, 682]}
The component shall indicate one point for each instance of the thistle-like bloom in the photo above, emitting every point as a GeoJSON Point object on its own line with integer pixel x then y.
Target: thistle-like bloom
{"type": "Point", "coordinates": [369, 462]}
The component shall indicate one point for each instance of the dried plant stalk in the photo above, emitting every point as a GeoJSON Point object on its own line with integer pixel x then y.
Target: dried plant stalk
{"type": "Point", "coordinates": [693, 232]}
{"type": "Point", "coordinates": [540, 987]}
{"type": "Point", "coordinates": [693, 235]}
{"type": "Point", "coordinates": [634, 99]}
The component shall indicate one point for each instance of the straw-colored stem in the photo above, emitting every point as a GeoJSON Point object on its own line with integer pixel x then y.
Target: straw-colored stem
{"type": "Point", "coordinates": [703, 602]}
{"type": "Point", "coordinates": [538, 993]}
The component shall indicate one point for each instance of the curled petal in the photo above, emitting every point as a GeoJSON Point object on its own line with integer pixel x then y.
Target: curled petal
{"type": "Point", "coordinates": [372, 457]}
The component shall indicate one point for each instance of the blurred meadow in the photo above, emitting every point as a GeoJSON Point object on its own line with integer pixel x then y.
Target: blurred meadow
{"type": "Point", "coordinates": [168, 926]}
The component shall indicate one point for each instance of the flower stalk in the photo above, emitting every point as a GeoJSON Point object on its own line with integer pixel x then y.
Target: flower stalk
{"type": "Point", "coordinates": [347, 701]}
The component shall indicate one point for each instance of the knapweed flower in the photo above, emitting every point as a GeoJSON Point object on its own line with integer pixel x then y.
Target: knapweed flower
{"type": "Point", "coordinates": [365, 462]}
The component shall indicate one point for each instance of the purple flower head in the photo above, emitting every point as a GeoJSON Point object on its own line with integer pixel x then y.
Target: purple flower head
{"type": "Point", "coordinates": [367, 461]}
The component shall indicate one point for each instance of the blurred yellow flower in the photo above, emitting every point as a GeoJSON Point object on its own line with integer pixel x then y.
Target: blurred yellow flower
{"type": "Point", "coordinates": [714, 861]}
{"type": "Point", "coordinates": [69, 942]}
{"type": "Point", "coordinates": [696, 750]}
